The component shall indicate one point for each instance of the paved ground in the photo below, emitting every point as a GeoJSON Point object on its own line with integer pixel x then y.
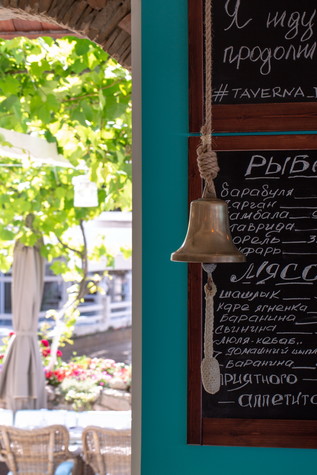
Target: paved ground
{"type": "Point", "coordinates": [113, 344]}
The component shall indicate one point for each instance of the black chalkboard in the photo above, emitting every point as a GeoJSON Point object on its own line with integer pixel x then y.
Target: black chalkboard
{"type": "Point", "coordinates": [264, 52]}
{"type": "Point", "coordinates": [264, 80]}
{"type": "Point", "coordinates": [265, 335]}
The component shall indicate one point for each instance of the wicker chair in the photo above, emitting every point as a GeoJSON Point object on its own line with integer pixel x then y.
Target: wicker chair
{"type": "Point", "coordinates": [107, 451]}
{"type": "Point", "coordinates": [36, 451]}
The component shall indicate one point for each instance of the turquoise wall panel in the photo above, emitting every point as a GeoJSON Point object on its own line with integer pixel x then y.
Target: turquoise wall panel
{"type": "Point", "coordinates": [165, 131]}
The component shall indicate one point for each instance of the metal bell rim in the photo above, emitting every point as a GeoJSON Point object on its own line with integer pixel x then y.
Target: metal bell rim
{"type": "Point", "coordinates": [208, 238]}
{"type": "Point", "coordinates": [215, 258]}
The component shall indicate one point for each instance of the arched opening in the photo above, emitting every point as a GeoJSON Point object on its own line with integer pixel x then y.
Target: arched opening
{"type": "Point", "coordinates": [105, 23]}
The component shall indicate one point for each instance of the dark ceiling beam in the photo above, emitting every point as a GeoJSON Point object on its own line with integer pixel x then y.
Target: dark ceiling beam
{"type": "Point", "coordinates": [8, 35]}
{"type": "Point", "coordinates": [125, 23]}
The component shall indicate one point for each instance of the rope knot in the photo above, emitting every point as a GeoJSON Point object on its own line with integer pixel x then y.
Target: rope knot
{"type": "Point", "coordinates": [210, 291]}
{"type": "Point", "coordinates": [207, 163]}
{"type": "Point", "coordinates": [208, 168]}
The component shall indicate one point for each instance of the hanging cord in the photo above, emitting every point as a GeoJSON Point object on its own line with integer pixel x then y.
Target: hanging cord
{"type": "Point", "coordinates": [206, 158]}
{"type": "Point", "coordinates": [210, 370]}
{"type": "Point", "coordinates": [208, 169]}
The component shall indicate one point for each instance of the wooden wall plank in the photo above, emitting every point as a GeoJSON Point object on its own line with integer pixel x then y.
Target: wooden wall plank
{"type": "Point", "coordinates": [194, 403]}
{"type": "Point", "coordinates": [196, 68]}
{"type": "Point", "coordinates": [260, 433]}
{"type": "Point", "coordinates": [298, 116]}
{"type": "Point", "coordinates": [254, 142]}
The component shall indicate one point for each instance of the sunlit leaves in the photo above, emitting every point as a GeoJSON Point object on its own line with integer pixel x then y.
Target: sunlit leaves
{"type": "Point", "coordinates": [6, 235]}
{"type": "Point", "coordinates": [59, 267]}
{"type": "Point", "coordinates": [65, 83]}
{"type": "Point", "coordinates": [68, 91]}
{"type": "Point", "coordinates": [9, 87]}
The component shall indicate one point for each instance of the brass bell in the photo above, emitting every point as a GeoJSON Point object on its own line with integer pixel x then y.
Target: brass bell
{"type": "Point", "coordinates": [208, 238]}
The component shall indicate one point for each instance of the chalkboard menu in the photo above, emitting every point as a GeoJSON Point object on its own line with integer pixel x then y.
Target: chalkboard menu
{"type": "Point", "coordinates": [265, 130]}
{"type": "Point", "coordinates": [264, 51]}
{"type": "Point", "coordinates": [263, 65]}
{"type": "Point", "coordinates": [265, 331]}
{"type": "Point", "coordinates": [265, 335]}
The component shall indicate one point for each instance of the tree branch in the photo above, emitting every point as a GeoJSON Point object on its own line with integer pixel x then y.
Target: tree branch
{"type": "Point", "coordinates": [66, 246]}
{"type": "Point", "coordinates": [73, 303]}
{"type": "Point", "coordinates": [91, 94]}
{"type": "Point", "coordinates": [84, 264]}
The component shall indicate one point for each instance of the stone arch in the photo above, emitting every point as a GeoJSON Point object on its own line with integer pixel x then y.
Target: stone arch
{"type": "Point", "coordinates": [106, 22]}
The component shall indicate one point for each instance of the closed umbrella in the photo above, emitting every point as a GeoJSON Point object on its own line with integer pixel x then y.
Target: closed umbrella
{"type": "Point", "coordinates": [22, 380]}
{"type": "Point", "coordinates": [17, 145]}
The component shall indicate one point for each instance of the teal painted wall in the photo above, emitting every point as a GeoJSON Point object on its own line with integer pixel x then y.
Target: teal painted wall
{"type": "Point", "coordinates": [165, 129]}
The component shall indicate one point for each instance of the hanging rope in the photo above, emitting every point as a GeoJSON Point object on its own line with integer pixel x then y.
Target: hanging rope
{"type": "Point", "coordinates": [206, 157]}
{"type": "Point", "coordinates": [210, 370]}
{"type": "Point", "coordinates": [208, 169]}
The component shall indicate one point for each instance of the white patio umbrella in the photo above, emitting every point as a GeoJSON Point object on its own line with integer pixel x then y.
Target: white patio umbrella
{"type": "Point", "coordinates": [17, 145]}
{"type": "Point", "coordinates": [22, 380]}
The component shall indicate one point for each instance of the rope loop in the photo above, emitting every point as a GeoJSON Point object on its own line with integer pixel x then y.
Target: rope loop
{"type": "Point", "coordinates": [210, 291]}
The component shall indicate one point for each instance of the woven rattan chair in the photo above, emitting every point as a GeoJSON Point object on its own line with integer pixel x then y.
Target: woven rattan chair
{"type": "Point", "coordinates": [36, 451]}
{"type": "Point", "coordinates": [107, 451]}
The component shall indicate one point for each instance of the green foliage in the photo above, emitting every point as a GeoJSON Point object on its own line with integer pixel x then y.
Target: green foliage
{"type": "Point", "coordinates": [126, 252]}
{"type": "Point", "coordinates": [68, 91]}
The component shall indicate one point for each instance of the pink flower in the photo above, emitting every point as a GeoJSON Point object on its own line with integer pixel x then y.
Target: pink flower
{"type": "Point", "coordinates": [11, 334]}
{"type": "Point", "coordinates": [46, 352]}
{"type": "Point", "coordinates": [45, 343]}
{"type": "Point", "coordinates": [59, 353]}
{"type": "Point", "coordinates": [48, 374]}
{"type": "Point", "coordinates": [60, 375]}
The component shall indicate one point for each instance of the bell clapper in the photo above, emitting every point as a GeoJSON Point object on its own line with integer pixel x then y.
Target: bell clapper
{"type": "Point", "coordinates": [210, 369]}
{"type": "Point", "coordinates": [209, 269]}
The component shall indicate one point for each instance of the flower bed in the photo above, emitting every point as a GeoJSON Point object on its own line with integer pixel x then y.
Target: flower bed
{"type": "Point", "coordinates": [82, 382]}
